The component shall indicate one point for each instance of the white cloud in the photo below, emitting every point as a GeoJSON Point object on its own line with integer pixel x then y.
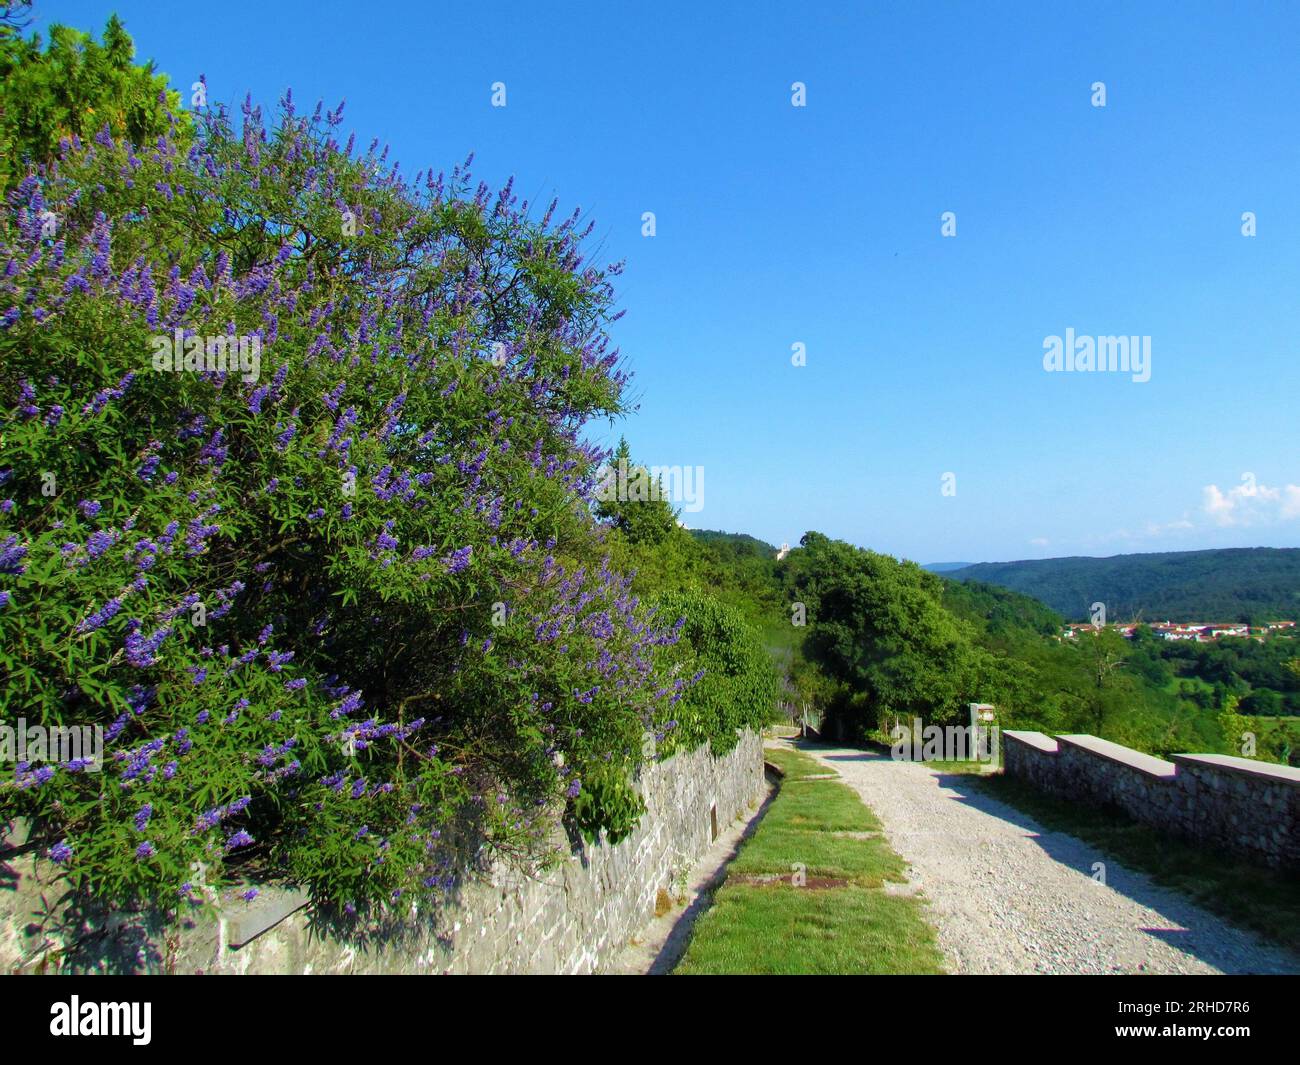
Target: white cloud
{"type": "Point", "coordinates": [1247, 504]}
{"type": "Point", "coordinates": [1250, 503]}
{"type": "Point", "coordinates": [1151, 530]}
{"type": "Point", "coordinates": [1156, 528]}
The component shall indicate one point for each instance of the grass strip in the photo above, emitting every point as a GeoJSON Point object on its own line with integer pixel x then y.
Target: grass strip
{"type": "Point", "coordinates": [795, 765]}
{"type": "Point", "coordinates": [815, 830]}
{"type": "Point", "coordinates": [783, 930]}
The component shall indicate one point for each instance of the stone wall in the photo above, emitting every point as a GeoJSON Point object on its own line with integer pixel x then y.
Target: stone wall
{"type": "Point", "coordinates": [575, 919]}
{"type": "Point", "coordinates": [1030, 756]}
{"type": "Point", "coordinates": [1247, 807]}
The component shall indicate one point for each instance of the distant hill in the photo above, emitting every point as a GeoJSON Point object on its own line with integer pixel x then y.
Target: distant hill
{"type": "Point", "coordinates": [742, 543]}
{"type": "Point", "coordinates": [1230, 584]}
{"type": "Point", "coordinates": [1000, 612]}
{"type": "Point", "coordinates": [946, 567]}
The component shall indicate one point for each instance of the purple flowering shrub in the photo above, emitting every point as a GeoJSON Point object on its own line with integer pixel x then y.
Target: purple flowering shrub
{"type": "Point", "coordinates": [339, 607]}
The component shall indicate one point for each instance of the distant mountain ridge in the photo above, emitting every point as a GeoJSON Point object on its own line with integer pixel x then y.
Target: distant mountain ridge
{"type": "Point", "coordinates": [1224, 584]}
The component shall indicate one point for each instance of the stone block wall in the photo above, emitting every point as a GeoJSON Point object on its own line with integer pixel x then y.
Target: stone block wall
{"type": "Point", "coordinates": [1250, 808]}
{"type": "Point", "coordinates": [575, 919]}
{"type": "Point", "coordinates": [1030, 756]}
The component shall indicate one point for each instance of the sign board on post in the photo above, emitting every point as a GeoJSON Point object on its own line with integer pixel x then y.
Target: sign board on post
{"type": "Point", "coordinates": [984, 731]}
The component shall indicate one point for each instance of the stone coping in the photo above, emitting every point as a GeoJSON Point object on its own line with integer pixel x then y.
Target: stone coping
{"type": "Point", "coordinates": [1158, 767]}
{"type": "Point", "coordinates": [1125, 756]}
{"type": "Point", "coordinates": [1037, 740]}
{"type": "Point", "coordinates": [1247, 767]}
{"type": "Point", "coordinates": [268, 909]}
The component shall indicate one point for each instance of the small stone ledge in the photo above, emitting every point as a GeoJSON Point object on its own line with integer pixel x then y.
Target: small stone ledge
{"type": "Point", "coordinates": [1037, 740]}
{"type": "Point", "coordinates": [245, 921]}
{"type": "Point", "coordinates": [1247, 767]}
{"type": "Point", "coordinates": [1125, 756]}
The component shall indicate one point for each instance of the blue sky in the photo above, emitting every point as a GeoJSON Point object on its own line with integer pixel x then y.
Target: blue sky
{"type": "Point", "coordinates": [821, 225]}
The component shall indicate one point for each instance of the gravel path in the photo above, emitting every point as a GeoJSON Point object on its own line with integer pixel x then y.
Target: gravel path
{"type": "Point", "coordinates": [1008, 896]}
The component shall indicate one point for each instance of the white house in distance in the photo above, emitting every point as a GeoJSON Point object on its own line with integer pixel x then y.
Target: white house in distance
{"type": "Point", "coordinates": [1188, 630]}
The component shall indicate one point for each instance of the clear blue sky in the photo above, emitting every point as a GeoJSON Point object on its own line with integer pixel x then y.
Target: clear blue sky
{"type": "Point", "coordinates": [821, 225]}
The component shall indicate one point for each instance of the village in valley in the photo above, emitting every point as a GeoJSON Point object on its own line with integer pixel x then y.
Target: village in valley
{"type": "Point", "coordinates": [1190, 630]}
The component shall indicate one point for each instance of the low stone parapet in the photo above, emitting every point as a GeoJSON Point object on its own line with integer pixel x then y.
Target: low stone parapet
{"type": "Point", "coordinates": [1250, 808]}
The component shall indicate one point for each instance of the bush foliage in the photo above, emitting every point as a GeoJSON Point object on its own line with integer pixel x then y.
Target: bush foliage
{"type": "Point", "coordinates": [343, 609]}
{"type": "Point", "coordinates": [73, 87]}
{"type": "Point", "coordinates": [737, 681]}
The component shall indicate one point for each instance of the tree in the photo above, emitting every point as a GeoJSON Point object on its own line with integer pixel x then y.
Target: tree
{"type": "Point", "coordinates": [74, 89]}
{"type": "Point", "coordinates": [736, 684]}
{"type": "Point", "coordinates": [1234, 726]}
{"type": "Point", "coordinates": [879, 626]}
{"type": "Point", "coordinates": [1106, 652]}
{"type": "Point", "coordinates": [633, 501]}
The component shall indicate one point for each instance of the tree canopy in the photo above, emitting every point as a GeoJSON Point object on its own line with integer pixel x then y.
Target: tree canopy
{"type": "Point", "coordinates": [74, 87]}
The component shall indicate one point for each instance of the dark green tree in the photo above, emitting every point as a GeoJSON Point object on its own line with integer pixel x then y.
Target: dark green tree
{"type": "Point", "coordinates": [879, 626]}
{"type": "Point", "coordinates": [73, 87]}
{"type": "Point", "coordinates": [633, 501]}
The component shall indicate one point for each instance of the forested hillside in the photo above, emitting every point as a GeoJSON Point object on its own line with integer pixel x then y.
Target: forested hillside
{"type": "Point", "coordinates": [883, 639]}
{"type": "Point", "coordinates": [1252, 584]}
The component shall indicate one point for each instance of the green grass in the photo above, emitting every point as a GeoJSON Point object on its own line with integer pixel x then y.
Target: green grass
{"type": "Point", "coordinates": [956, 766]}
{"type": "Point", "coordinates": [820, 829]}
{"type": "Point", "coordinates": [794, 765]}
{"type": "Point", "coordinates": [867, 862]}
{"type": "Point", "coordinates": [820, 806]}
{"type": "Point", "coordinates": [1245, 894]}
{"type": "Point", "coordinates": [784, 930]}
